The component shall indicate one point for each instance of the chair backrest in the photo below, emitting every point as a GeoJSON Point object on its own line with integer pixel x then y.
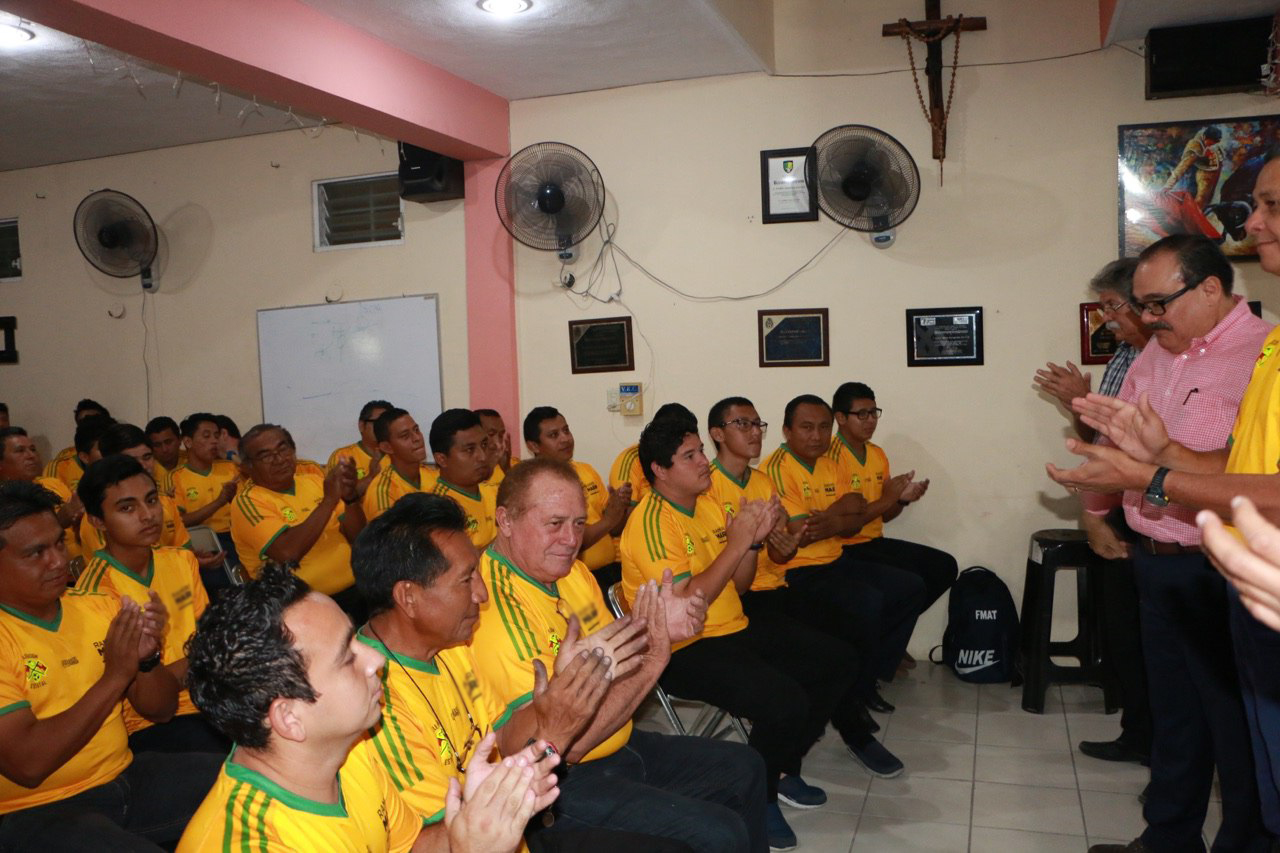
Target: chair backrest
{"type": "Point", "coordinates": [616, 602]}
{"type": "Point", "coordinates": [204, 539]}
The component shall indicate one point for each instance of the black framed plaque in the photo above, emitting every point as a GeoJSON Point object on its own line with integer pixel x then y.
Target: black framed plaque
{"type": "Point", "coordinates": [944, 336]}
{"type": "Point", "coordinates": [794, 338]}
{"type": "Point", "coordinates": [601, 346]}
{"type": "Point", "coordinates": [786, 195]}
{"type": "Point", "coordinates": [8, 346]}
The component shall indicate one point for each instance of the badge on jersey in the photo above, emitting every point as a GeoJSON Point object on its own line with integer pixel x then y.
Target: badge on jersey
{"type": "Point", "coordinates": [35, 670]}
{"type": "Point", "coordinates": [289, 515]}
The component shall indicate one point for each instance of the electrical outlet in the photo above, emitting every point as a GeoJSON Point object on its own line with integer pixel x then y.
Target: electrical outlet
{"type": "Point", "coordinates": [631, 399]}
{"type": "Point", "coordinates": [611, 400]}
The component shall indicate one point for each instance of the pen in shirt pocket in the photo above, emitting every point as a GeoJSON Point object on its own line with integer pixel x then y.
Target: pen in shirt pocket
{"type": "Point", "coordinates": [1189, 393]}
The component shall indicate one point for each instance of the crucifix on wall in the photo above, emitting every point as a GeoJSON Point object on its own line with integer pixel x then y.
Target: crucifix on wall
{"type": "Point", "coordinates": [931, 32]}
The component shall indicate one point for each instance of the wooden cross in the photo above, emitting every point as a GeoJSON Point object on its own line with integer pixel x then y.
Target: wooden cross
{"type": "Point", "coordinates": [938, 28]}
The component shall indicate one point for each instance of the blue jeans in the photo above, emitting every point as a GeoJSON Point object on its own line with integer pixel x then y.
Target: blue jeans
{"type": "Point", "coordinates": [147, 805]}
{"type": "Point", "coordinates": [706, 793]}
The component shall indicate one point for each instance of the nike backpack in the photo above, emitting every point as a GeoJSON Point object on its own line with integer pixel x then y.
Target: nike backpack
{"type": "Point", "coordinates": [981, 641]}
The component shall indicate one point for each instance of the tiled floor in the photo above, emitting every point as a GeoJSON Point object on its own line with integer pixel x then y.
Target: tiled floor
{"type": "Point", "coordinates": [981, 775]}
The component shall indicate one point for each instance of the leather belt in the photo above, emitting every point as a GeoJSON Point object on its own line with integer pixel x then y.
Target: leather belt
{"type": "Point", "coordinates": [1156, 548]}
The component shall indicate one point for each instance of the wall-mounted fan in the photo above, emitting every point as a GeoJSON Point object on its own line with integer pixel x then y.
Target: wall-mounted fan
{"type": "Point", "coordinates": [866, 180]}
{"type": "Point", "coordinates": [117, 235]}
{"type": "Point", "coordinates": [550, 196]}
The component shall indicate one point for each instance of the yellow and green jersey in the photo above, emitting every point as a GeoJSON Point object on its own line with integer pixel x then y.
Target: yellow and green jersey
{"type": "Point", "coordinates": [59, 488]}
{"type": "Point", "coordinates": [246, 811]}
{"type": "Point", "coordinates": [626, 469]}
{"type": "Point", "coordinates": [865, 476]}
{"type": "Point", "coordinates": [728, 492]}
{"type": "Point", "coordinates": [193, 490]}
{"type": "Point", "coordinates": [46, 667]}
{"type": "Point", "coordinates": [481, 506]}
{"type": "Point", "coordinates": [1255, 438]}
{"type": "Point", "coordinates": [604, 551]}
{"type": "Point", "coordinates": [259, 515]}
{"type": "Point", "coordinates": [660, 535]}
{"type": "Point", "coordinates": [805, 490]}
{"type": "Point", "coordinates": [390, 486]}
{"type": "Point", "coordinates": [358, 455]}
{"type": "Point", "coordinates": [525, 620]}
{"type": "Point", "coordinates": [67, 467]}
{"type": "Point", "coordinates": [174, 574]}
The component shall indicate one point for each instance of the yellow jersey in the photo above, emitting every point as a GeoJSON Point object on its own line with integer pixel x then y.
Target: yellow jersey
{"type": "Point", "coordinates": [59, 488]}
{"type": "Point", "coordinates": [164, 479]}
{"type": "Point", "coordinates": [358, 455]}
{"type": "Point", "coordinates": [661, 534]}
{"type": "Point", "coordinates": [390, 486]}
{"type": "Point", "coordinates": [47, 667]}
{"type": "Point", "coordinates": [626, 469]}
{"type": "Point", "coordinates": [604, 551]}
{"type": "Point", "coordinates": [864, 476]}
{"type": "Point", "coordinates": [481, 507]}
{"type": "Point", "coordinates": [259, 515]}
{"type": "Point", "coordinates": [175, 576]}
{"type": "Point", "coordinates": [173, 533]}
{"type": "Point", "coordinates": [728, 492]}
{"type": "Point", "coordinates": [525, 619]}
{"type": "Point", "coordinates": [246, 811]}
{"type": "Point", "coordinates": [421, 751]}
{"type": "Point", "coordinates": [804, 491]}
{"type": "Point", "coordinates": [67, 467]}
{"type": "Point", "coordinates": [193, 490]}
{"type": "Point", "coordinates": [1255, 438]}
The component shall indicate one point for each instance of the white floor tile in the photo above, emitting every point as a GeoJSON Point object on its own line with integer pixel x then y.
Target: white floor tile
{"type": "Point", "coordinates": [934, 759]}
{"type": "Point", "coordinates": [919, 798]}
{"type": "Point", "coordinates": [1013, 765]}
{"type": "Point", "coordinates": [937, 724]}
{"type": "Point", "coordinates": [1054, 810]}
{"type": "Point", "coordinates": [1107, 815]}
{"type": "Point", "coordinates": [846, 790]}
{"type": "Point", "coordinates": [1018, 728]}
{"type": "Point", "coordinates": [895, 835]}
{"type": "Point", "coordinates": [822, 831]}
{"type": "Point", "coordinates": [987, 840]}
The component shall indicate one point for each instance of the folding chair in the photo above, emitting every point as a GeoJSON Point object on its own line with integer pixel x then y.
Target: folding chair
{"type": "Point", "coordinates": [710, 719]}
{"type": "Point", "coordinates": [204, 539]}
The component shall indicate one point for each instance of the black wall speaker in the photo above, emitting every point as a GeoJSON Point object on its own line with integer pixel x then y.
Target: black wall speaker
{"type": "Point", "coordinates": [1207, 59]}
{"type": "Point", "coordinates": [428, 176]}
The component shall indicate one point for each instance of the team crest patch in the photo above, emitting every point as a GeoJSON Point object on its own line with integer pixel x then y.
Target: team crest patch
{"type": "Point", "coordinates": [857, 482]}
{"type": "Point", "coordinates": [1266, 353]}
{"type": "Point", "coordinates": [443, 741]}
{"type": "Point", "coordinates": [289, 515]}
{"type": "Point", "coordinates": [361, 473]}
{"type": "Point", "coordinates": [728, 510]}
{"type": "Point", "coordinates": [804, 487]}
{"type": "Point", "coordinates": [35, 669]}
{"type": "Point", "coordinates": [193, 494]}
{"type": "Point", "coordinates": [553, 642]}
{"type": "Point", "coordinates": [688, 544]}
{"type": "Point", "coordinates": [472, 525]}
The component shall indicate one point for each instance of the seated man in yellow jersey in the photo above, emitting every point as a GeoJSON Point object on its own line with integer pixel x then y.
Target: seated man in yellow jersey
{"type": "Point", "coordinates": [68, 781]}
{"type": "Point", "coordinates": [546, 433]}
{"type": "Point", "coordinates": [626, 468]}
{"type": "Point", "coordinates": [122, 503]}
{"type": "Point", "coordinates": [20, 461]}
{"type": "Point", "coordinates": [461, 451]}
{"type": "Point", "coordinates": [364, 453]}
{"type": "Point", "coordinates": [705, 793]}
{"type": "Point", "coordinates": [62, 465]}
{"type": "Point", "coordinates": [782, 675]}
{"type": "Point", "coordinates": [871, 606]}
{"type": "Point", "coordinates": [166, 443]}
{"type": "Point", "coordinates": [304, 519]}
{"type": "Point", "coordinates": [277, 668]}
{"type": "Point", "coordinates": [495, 430]}
{"type": "Point", "coordinates": [401, 445]}
{"type": "Point", "coordinates": [864, 468]}
{"type": "Point", "coordinates": [204, 486]}
{"type": "Point", "coordinates": [416, 569]}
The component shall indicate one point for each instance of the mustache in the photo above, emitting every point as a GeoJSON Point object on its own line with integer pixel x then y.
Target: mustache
{"type": "Point", "coordinates": [1159, 325]}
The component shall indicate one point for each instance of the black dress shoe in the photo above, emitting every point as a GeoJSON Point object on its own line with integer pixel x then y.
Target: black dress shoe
{"type": "Point", "coordinates": [865, 721]}
{"type": "Point", "coordinates": [1113, 750]}
{"type": "Point", "coordinates": [1134, 846]}
{"type": "Point", "coordinates": [876, 702]}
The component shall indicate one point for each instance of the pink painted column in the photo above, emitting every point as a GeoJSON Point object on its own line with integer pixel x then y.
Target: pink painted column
{"type": "Point", "coordinates": [491, 299]}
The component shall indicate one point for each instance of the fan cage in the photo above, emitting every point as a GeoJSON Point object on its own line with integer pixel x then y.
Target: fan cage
{"type": "Point", "coordinates": [112, 208]}
{"type": "Point", "coordinates": [528, 172]}
{"type": "Point", "coordinates": [839, 152]}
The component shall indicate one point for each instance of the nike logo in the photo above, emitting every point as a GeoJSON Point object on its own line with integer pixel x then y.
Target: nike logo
{"type": "Point", "coordinates": [965, 670]}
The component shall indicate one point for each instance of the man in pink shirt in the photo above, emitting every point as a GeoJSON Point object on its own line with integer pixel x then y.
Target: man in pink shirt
{"type": "Point", "coordinates": [1207, 341]}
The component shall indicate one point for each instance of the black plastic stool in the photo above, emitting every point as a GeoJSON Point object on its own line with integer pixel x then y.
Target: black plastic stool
{"type": "Point", "coordinates": [1053, 551]}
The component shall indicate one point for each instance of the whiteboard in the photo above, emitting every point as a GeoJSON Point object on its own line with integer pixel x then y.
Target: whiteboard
{"type": "Point", "coordinates": [320, 363]}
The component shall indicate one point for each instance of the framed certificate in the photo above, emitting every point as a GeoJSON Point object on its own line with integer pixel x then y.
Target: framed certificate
{"type": "Point", "coordinates": [786, 193]}
{"type": "Point", "coordinates": [601, 346]}
{"type": "Point", "coordinates": [1097, 342]}
{"type": "Point", "coordinates": [794, 338]}
{"type": "Point", "coordinates": [944, 336]}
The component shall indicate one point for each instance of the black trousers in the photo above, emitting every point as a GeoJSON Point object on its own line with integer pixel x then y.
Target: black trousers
{"type": "Point", "coordinates": [1120, 615]}
{"type": "Point", "coordinates": [937, 569]}
{"type": "Point", "coordinates": [187, 733]}
{"type": "Point", "coordinates": [1197, 713]}
{"type": "Point", "coordinates": [779, 673]}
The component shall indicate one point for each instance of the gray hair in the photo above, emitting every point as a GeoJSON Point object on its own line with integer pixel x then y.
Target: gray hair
{"type": "Point", "coordinates": [1116, 276]}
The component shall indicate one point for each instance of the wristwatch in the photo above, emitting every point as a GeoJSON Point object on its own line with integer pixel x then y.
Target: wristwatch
{"type": "Point", "coordinates": [1155, 490]}
{"type": "Point", "coordinates": [150, 663]}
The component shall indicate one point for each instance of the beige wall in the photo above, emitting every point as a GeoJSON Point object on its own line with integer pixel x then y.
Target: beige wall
{"type": "Point", "coordinates": [239, 219]}
{"type": "Point", "coordinates": [1027, 214]}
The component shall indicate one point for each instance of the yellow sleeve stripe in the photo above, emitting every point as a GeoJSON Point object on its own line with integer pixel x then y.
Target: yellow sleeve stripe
{"type": "Point", "coordinates": [241, 800]}
{"type": "Point", "coordinates": [521, 635]}
{"type": "Point", "coordinates": [16, 706]}
{"type": "Point", "coordinates": [401, 767]}
{"type": "Point", "coordinates": [652, 527]}
{"type": "Point", "coordinates": [247, 508]}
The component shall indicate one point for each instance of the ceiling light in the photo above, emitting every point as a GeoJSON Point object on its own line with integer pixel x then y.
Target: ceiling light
{"type": "Point", "coordinates": [15, 34]}
{"type": "Point", "coordinates": [504, 8]}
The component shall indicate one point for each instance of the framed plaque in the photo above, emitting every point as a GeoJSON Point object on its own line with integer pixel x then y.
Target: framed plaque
{"type": "Point", "coordinates": [601, 346]}
{"type": "Point", "coordinates": [794, 338]}
{"type": "Point", "coordinates": [1097, 342]}
{"type": "Point", "coordinates": [8, 347]}
{"type": "Point", "coordinates": [786, 195]}
{"type": "Point", "coordinates": [938, 337]}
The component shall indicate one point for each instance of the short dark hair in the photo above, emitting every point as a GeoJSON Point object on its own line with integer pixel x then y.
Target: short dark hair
{"type": "Point", "coordinates": [103, 474]}
{"type": "Point", "coordinates": [89, 430]}
{"type": "Point", "coordinates": [397, 546]}
{"type": "Point", "coordinates": [257, 431]}
{"type": "Point", "coordinates": [241, 657]}
{"type": "Point", "coordinates": [678, 411]}
{"type": "Point", "coordinates": [846, 394]}
{"type": "Point", "coordinates": [4, 408]}
{"type": "Point", "coordinates": [5, 432]}
{"type": "Point", "coordinates": [89, 405]}
{"type": "Point", "coordinates": [367, 410]}
{"type": "Point", "coordinates": [659, 442]}
{"type": "Point", "coordinates": [20, 499]}
{"type": "Point", "coordinates": [513, 493]}
{"type": "Point", "coordinates": [118, 438]}
{"type": "Point", "coordinates": [811, 399]}
{"type": "Point", "coordinates": [1198, 258]}
{"type": "Point", "coordinates": [488, 413]}
{"type": "Point", "coordinates": [715, 417]}
{"type": "Point", "coordinates": [532, 427]}
{"type": "Point", "coordinates": [382, 423]}
{"type": "Point", "coordinates": [160, 424]}
{"type": "Point", "coordinates": [229, 426]}
{"type": "Point", "coordinates": [447, 424]}
{"type": "Point", "coordinates": [192, 422]}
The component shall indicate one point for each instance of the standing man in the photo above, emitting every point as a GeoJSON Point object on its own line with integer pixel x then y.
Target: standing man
{"type": "Point", "coordinates": [403, 450]}
{"type": "Point", "coordinates": [461, 451]}
{"type": "Point", "coordinates": [1193, 379]}
{"type": "Point", "coordinates": [364, 453]}
{"type": "Point", "coordinates": [546, 433]}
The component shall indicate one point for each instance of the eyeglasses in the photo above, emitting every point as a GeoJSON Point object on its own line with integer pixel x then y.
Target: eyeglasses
{"type": "Point", "coordinates": [282, 451]}
{"type": "Point", "coordinates": [863, 414]}
{"type": "Point", "coordinates": [1157, 307]}
{"type": "Point", "coordinates": [746, 425]}
{"type": "Point", "coordinates": [1113, 307]}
